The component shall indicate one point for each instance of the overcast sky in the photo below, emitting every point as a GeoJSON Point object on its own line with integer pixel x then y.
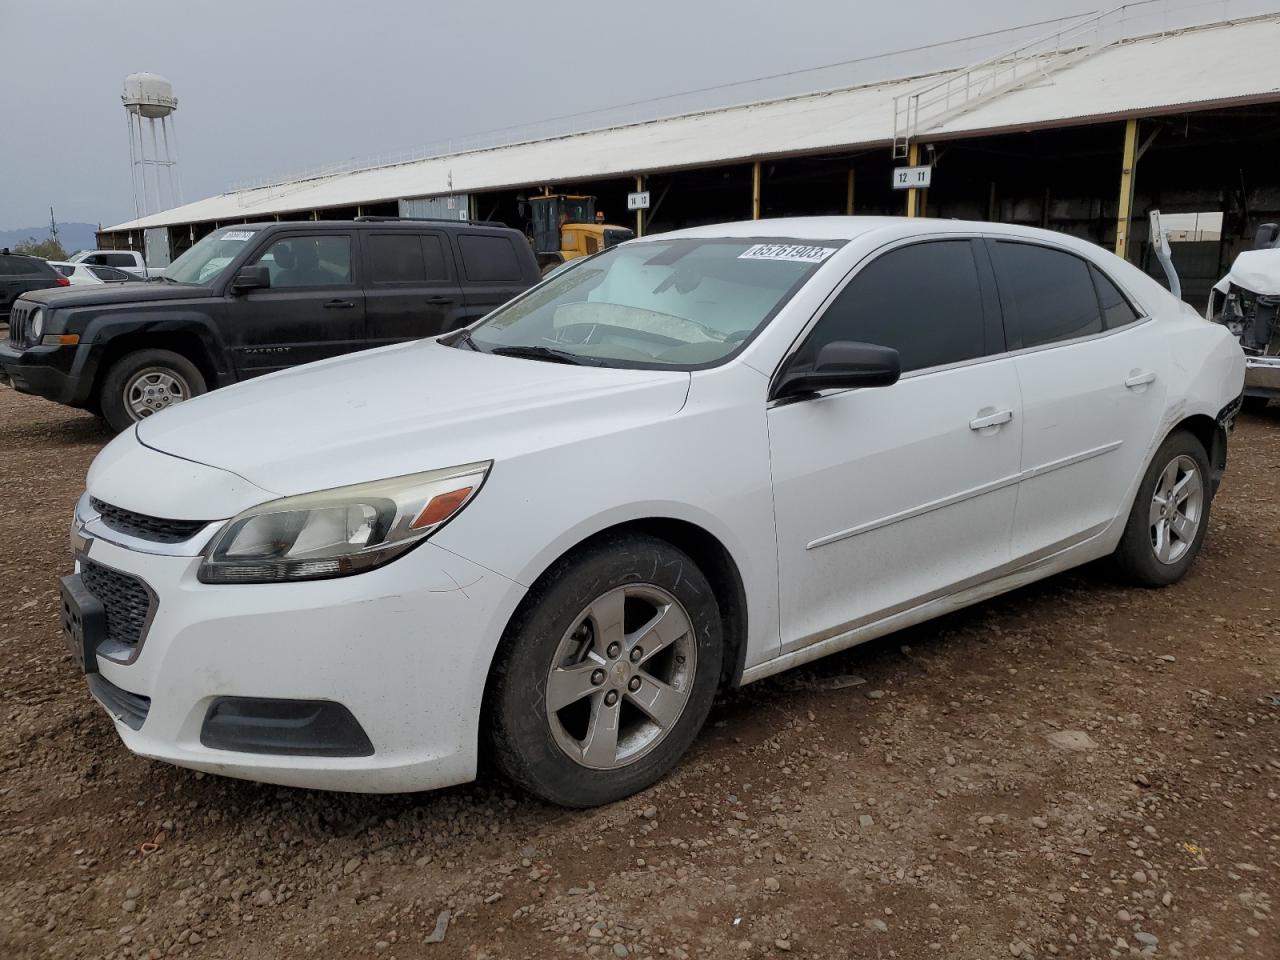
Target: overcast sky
{"type": "Point", "coordinates": [270, 86]}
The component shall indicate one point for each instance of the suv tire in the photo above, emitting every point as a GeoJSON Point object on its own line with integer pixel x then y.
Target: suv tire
{"type": "Point", "coordinates": [587, 622]}
{"type": "Point", "coordinates": [1170, 514]}
{"type": "Point", "coordinates": [144, 382]}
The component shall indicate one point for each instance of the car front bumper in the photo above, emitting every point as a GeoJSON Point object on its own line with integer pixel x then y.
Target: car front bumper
{"type": "Point", "coordinates": [403, 650]}
{"type": "Point", "coordinates": [1262, 376]}
{"type": "Point", "coordinates": [58, 373]}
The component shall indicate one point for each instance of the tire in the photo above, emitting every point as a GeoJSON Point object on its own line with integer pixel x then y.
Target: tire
{"type": "Point", "coordinates": [1152, 553]}
{"type": "Point", "coordinates": [1255, 405]}
{"type": "Point", "coordinates": [562, 630]}
{"type": "Point", "coordinates": [121, 398]}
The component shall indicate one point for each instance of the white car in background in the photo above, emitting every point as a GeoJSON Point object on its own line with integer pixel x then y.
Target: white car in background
{"type": "Point", "coordinates": [130, 261]}
{"type": "Point", "coordinates": [83, 274]}
{"type": "Point", "coordinates": [696, 459]}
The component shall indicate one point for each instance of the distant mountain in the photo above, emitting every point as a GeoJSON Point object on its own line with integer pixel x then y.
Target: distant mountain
{"type": "Point", "coordinates": [74, 236]}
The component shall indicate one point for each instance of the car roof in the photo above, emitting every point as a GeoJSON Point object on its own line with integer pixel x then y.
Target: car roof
{"type": "Point", "coordinates": [406, 223]}
{"type": "Point", "coordinates": [856, 227]}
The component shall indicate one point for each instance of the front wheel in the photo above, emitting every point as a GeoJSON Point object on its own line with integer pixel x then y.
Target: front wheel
{"type": "Point", "coordinates": [143, 383]}
{"type": "Point", "coordinates": [607, 672]}
{"type": "Point", "coordinates": [1170, 514]}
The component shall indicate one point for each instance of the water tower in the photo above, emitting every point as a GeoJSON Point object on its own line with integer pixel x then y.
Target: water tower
{"type": "Point", "coordinates": [156, 184]}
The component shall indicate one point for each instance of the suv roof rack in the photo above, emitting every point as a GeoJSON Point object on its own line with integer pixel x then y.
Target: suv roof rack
{"type": "Point", "coordinates": [474, 223]}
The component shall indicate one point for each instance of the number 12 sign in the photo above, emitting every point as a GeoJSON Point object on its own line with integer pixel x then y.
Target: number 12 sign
{"type": "Point", "coordinates": [911, 178]}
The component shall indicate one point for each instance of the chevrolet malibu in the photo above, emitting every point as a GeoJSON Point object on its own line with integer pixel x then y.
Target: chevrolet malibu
{"type": "Point", "coordinates": [693, 460]}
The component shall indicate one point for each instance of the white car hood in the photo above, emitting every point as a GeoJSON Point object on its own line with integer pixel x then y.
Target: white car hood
{"type": "Point", "coordinates": [1255, 270]}
{"type": "Point", "coordinates": [404, 409]}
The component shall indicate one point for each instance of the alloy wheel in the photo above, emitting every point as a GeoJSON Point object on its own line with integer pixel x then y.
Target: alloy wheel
{"type": "Point", "coordinates": [1177, 507]}
{"type": "Point", "coordinates": [621, 676]}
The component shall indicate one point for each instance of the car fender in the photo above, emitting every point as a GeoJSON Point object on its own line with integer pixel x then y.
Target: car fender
{"type": "Point", "coordinates": [157, 323]}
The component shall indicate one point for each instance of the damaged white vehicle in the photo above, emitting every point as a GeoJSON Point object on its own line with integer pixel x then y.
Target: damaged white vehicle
{"type": "Point", "coordinates": [1247, 302]}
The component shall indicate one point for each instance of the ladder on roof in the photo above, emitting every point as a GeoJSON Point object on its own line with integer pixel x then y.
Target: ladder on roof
{"type": "Point", "coordinates": [960, 91]}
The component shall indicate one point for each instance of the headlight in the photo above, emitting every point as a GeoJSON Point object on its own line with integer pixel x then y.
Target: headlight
{"type": "Point", "coordinates": [338, 532]}
{"type": "Point", "coordinates": [37, 325]}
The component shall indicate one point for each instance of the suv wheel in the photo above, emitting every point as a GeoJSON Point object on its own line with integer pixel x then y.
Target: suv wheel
{"type": "Point", "coordinates": [606, 673]}
{"type": "Point", "coordinates": [144, 383]}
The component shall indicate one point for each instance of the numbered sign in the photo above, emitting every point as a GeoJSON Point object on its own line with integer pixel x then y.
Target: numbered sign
{"type": "Point", "coordinates": [638, 201]}
{"type": "Point", "coordinates": [912, 178]}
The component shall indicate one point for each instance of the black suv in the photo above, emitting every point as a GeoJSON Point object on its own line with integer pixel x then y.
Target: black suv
{"type": "Point", "coordinates": [255, 298]}
{"type": "Point", "coordinates": [18, 274]}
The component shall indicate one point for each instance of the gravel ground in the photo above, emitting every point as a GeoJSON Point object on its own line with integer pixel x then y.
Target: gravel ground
{"type": "Point", "coordinates": [1075, 769]}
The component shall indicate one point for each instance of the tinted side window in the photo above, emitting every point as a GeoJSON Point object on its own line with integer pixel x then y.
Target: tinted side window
{"type": "Point", "coordinates": [1051, 292]}
{"type": "Point", "coordinates": [309, 261]}
{"type": "Point", "coordinates": [489, 259]}
{"type": "Point", "coordinates": [120, 260]}
{"type": "Point", "coordinates": [8, 266]}
{"type": "Point", "coordinates": [1116, 310]}
{"type": "Point", "coordinates": [433, 253]}
{"type": "Point", "coordinates": [922, 300]}
{"type": "Point", "coordinates": [396, 258]}
{"type": "Point", "coordinates": [99, 258]}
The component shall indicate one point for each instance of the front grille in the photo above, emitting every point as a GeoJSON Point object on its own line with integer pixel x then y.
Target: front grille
{"type": "Point", "coordinates": [130, 708]}
{"type": "Point", "coordinates": [125, 598]}
{"type": "Point", "coordinates": [19, 322]}
{"type": "Point", "coordinates": [155, 529]}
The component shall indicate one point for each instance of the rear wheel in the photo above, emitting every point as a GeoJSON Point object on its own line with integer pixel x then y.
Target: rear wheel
{"type": "Point", "coordinates": [143, 383]}
{"type": "Point", "coordinates": [1170, 514]}
{"type": "Point", "coordinates": [607, 673]}
{"type": "Point", "coordinates": [1255, 404]}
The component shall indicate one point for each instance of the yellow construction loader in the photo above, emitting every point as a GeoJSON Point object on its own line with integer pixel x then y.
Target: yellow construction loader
{"type": "Point", "coordinates": [563, 226]}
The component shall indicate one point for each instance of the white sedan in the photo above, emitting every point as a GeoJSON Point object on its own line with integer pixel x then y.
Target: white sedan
{"type": "Point", "coordinates": [695, 459]}
{"type": "Point", "coordinates": [83, 274]}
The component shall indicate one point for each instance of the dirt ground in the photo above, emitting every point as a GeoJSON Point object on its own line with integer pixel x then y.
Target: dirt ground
{"type": "Point", "coordinates": [1076, 769]}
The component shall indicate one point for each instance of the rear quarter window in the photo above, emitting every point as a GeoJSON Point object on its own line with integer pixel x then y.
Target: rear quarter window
{"type": "Point", "coordinates": [1051, 292]}
{"type": "Point", "coordinates": [488, 259]}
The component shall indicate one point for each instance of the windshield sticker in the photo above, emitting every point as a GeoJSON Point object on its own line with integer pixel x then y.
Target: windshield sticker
{"type": "Point", "coordinates": [237, 235]}
{"type": "Point", "coordinates": [786, 251]}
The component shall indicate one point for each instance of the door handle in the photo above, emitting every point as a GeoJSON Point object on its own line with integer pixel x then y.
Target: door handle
{"type": "Point", "coordinates": [439, 299]}
{"type": "Point", "coordinates": [1140, 379]}
{"type": "Point", "coordinates": [991, 420]}
{"type": "Point", "coordinates": [339, 304]}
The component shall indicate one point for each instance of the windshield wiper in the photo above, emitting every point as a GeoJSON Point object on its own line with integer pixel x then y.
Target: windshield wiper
{"type": "Point", "coordinates": [551, 354]}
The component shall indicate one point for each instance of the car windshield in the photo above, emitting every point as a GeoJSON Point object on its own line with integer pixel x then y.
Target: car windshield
{"type": "Point", "coordinates": [210, 256]}
{"type": "Point", "coordinates": [660, 303]}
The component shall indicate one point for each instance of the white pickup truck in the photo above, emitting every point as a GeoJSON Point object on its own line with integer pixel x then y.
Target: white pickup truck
{"type": "Point", "coordinates": [130, 261]}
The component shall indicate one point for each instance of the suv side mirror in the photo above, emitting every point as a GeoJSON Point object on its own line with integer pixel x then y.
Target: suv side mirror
{"type": "Point", "coordinates": [256, 277]}
{"type": "Point", "coordinates": [842, 365]}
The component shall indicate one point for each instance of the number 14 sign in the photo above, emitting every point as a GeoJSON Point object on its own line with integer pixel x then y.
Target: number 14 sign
{"type": "Point", "coordinates": [911, 178]}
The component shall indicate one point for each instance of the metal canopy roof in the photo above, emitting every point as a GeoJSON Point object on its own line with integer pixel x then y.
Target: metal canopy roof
{"type": "Point", "coordinates": [1192, 69]}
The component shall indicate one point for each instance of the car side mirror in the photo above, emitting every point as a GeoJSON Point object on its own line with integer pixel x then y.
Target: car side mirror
{"type": "Point", "coordinates": [256, 277]}
{"type": "Point", "coordinates": [842, 365]}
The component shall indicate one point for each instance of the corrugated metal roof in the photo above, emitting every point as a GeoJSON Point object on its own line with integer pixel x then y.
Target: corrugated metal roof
{"type": "Point", "coordinates": [1189, 69]}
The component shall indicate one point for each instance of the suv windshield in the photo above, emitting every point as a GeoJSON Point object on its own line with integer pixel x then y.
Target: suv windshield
{"type": "Point", "coordinates": [661, 303]}
{"type": "Point", "coordinates": [210, 256]}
